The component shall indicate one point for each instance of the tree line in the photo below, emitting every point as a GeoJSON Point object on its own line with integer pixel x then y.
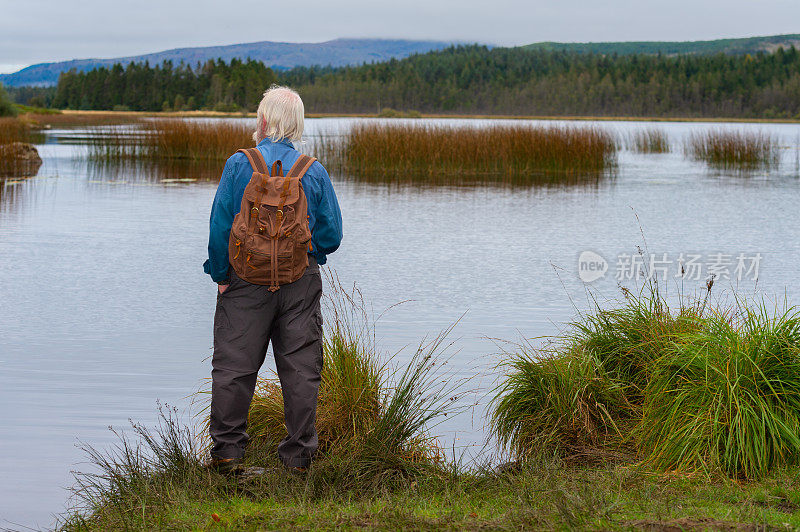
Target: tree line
{"type": "Point", "coordinates": [466, 80]}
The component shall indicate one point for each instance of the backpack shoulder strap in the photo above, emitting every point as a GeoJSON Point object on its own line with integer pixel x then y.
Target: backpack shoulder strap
{"type": "Point", "coordinates": [256, 160]}
{"type": "Point", "coordinates": [301, 166]}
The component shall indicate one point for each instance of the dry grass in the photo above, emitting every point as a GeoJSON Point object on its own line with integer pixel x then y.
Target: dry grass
{"type": "Point", "coordinates": [172, 139]}
{"type": "Point", "coordinates": [196, 139]}
{"type": "Point", "coordinates": [649, 141]}
{"type": "Point", "coordinates": [734, 149]}
{"type": "Point", "coordinates": [67, 120]}
{"type": "Point", "coordinates": [13, 130]}
{"type": "Point", "coordinates": [436, 154]}
{"type": "Point", "coordinates": [367, 415]}
{"type": "Point", "coordinates": [17, 160]}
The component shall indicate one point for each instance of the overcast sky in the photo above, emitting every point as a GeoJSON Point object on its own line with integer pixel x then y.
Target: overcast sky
{"type": "Point", "coordinates": [35, 31]}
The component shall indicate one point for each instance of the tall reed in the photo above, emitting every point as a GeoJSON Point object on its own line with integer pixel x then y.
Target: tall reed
{"type": "Point", "coordinates": [14, 130]}
{"type": "Point", "coordinates": [733, 149]}
{"type": "Point", "coordinates": [163, 140]}
{"type": "Point", "coordinates": [651, 140]}
{"type": "Point", "coordinates": [210, 140]}
{"type": "Point", "coordinates": [432, 153]}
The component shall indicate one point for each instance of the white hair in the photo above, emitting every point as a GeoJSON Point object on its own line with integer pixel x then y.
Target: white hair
{"type": "Point", "coordinates": [280, 115]}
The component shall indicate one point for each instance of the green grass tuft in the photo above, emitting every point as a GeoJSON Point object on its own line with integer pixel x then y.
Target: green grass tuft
{"type": "Point", "coordinates": [727, 397]}
{"type": "Point", "coordinates": [716, 393]}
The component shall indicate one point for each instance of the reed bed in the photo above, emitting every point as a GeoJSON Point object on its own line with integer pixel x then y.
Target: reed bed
{"type": "Point", "coordinates": [649, 141]}
{"type": "Point", "coordinates": [680, 390]}
{"type": "Point", "coordinates": [194, 140]}
{"type": "Point", "coordinates": [210, 140]}
{"type": "Point", "coordinates": [734, 149]}
{"type": "Point", "coordinates": [14, 130]}
{"type": "Point", "coordinates": [436, 153]}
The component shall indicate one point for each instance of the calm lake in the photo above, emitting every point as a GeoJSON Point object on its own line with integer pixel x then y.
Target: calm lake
{"type": "Point", "coordinates": [105, 307]}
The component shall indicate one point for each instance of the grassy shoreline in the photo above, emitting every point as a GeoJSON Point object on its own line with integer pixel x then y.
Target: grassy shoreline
{"type": "Point", "coordinates": [610, 498]}
{"type": "Point", "coordinates": [560, 418]}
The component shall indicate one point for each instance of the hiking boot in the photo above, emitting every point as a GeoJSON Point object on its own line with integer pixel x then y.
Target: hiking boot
{"type": "Point", "coordinates": [224, 465]}
{"type": "Point", "coordinates": [297, 471]}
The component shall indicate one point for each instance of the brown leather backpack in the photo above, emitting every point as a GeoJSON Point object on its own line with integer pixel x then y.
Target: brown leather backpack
{"type": "Point", "coordinates": [270, 238]}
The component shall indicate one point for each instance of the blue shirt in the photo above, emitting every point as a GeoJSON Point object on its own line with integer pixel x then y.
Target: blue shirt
{"type": "Point", "coordinates": [324, 216]}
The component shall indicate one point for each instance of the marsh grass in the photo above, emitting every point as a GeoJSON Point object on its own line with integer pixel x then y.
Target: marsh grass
{"type": "Point", "coordinates": [369, 415]}
{"type": "Point", "coordinates": [649, 141]}
{"type": "Point", "coordinates": [681, 389]}
{"type": "Point", "coordinates": [14, 130]}
{"type": "Point", "coordinates": [170, 139]}
{"type": "Point", "coordinates": [436, 154]}
{"type": "Point", "coordinates": [728, 149]}
{"type": "Point", "coordinates": [210, 140]}
{"type": "Point", "coordinates": [381, 470]}
{"type": "Point", "coordinates": [564, 406]}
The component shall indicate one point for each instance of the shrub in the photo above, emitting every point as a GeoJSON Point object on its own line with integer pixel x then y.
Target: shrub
{"type": "Point", "coordinates": [7, 107]}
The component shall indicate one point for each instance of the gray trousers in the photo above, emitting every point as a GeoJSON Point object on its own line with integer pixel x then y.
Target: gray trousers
{"type": "Point", "coordinates": [247, 318]}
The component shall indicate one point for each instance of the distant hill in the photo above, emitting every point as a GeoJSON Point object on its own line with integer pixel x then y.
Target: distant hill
{"type": "Point", "coordinates": [279, 55]}
{"type": "Point", "coordinates": [746, 45]}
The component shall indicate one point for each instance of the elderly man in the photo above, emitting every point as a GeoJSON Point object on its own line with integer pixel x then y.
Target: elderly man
{"type": "Point", "coordinates": [278, 299]}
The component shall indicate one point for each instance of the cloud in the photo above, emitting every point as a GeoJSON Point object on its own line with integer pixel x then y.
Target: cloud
{"type": "Point", "coordinates": [39, 30]}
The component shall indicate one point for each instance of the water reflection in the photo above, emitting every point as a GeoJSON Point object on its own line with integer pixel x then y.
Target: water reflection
{"type": "Point", "coordinates": [167, 172]}
{"type": "Point", "coordinates": [554, 180]}
{"type": "Point", "coordinates": [11, 192]}
{"type": "Point", "coordinates": [19, 159]}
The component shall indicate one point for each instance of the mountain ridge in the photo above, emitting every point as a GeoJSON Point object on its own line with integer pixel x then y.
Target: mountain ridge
{"type": "Point", "coordinates": [343, 52]}
{"type": "Point", "coordinates": [740, 45]}
{"type": "Point", "coordinates": [278, 55]}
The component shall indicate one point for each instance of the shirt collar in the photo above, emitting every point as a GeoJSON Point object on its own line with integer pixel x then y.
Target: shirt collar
{"type": "Point", "coordinates": [284, 141]}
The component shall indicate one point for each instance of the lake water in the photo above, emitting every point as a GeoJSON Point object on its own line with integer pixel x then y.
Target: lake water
{"type": "Point", "coordinates": [105, 307]}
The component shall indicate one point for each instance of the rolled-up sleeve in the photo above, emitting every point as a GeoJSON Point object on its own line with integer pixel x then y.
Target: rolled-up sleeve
{"type": "Point", "coordinates": [222, 212]}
